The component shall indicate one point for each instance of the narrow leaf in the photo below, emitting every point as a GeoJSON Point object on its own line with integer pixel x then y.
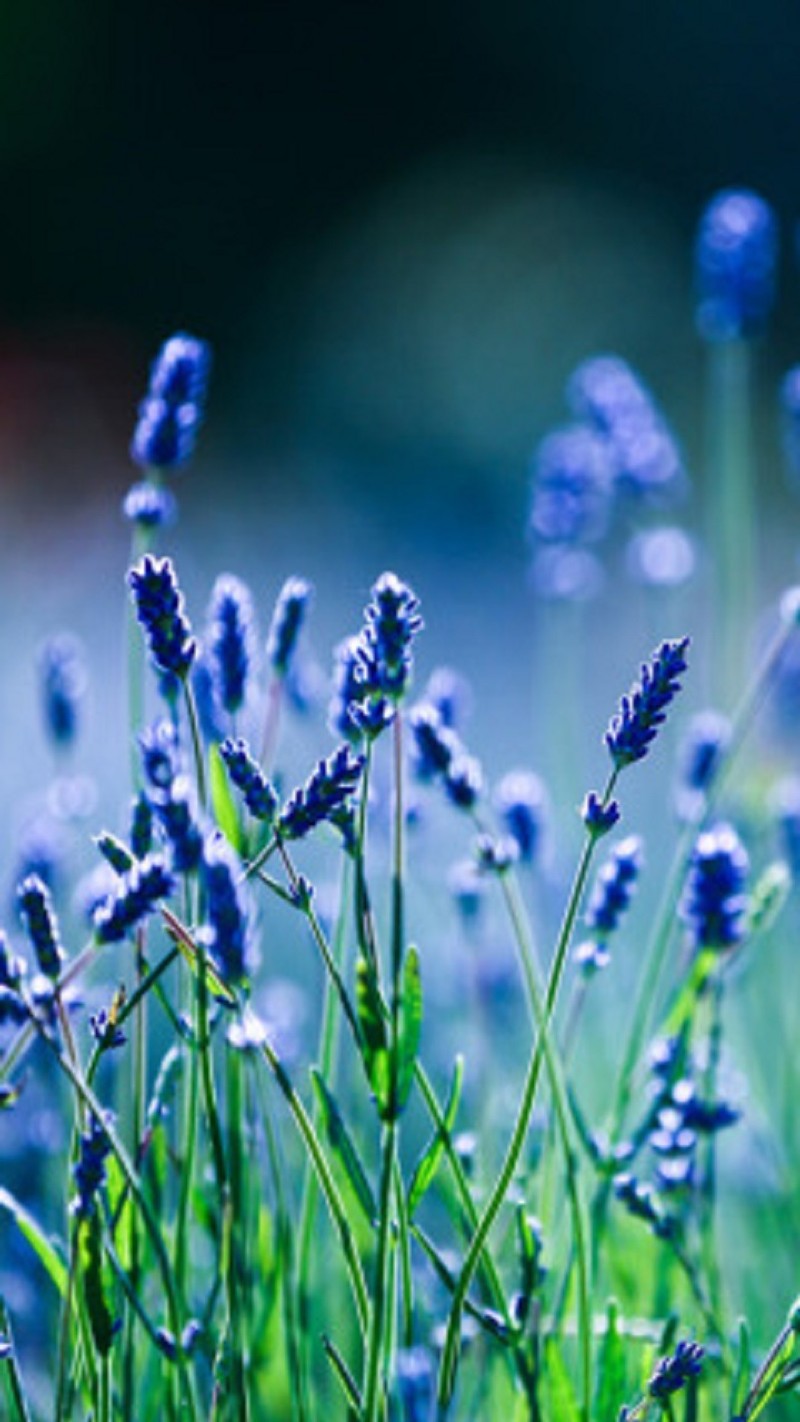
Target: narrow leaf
{"type": "Point", "coordinates": [341, 1143]}
{"type": "Point", "coordinates": [741, 1376]}
{"type": "Point", "coordinates": [429, 1162]}
{"type": "Point", "coordinates": [561, 1401]}
{"type": "Point", "coordinates": [488, 1318]}
{"type": "Point", "coordinates": [410, 1026]}
{"type": "Point", "coordinates": [610, 1370]}
{"type": "Point", "coordinates": [372, 1022]}
{"type": "Point", "coordinates": [343, 1375]}
{"type": "Point", "coordinates": [91, 1263]}
{"type": "Point", "coordinates": [226, 812]}
{"type": "Point", "coordinates": [46, 1250]}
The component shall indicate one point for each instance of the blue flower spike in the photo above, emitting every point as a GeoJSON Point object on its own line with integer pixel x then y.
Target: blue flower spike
{"type": "Point", "coordinates": [643, 710]}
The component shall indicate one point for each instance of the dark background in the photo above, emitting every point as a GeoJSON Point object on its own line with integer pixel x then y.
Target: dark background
{"type": "Point", "coordinates": [400, 225]}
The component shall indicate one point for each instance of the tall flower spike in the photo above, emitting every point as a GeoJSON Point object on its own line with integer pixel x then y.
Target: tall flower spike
{"type": "Point", "coordinates": [522, 804]}
{"type": "Point", "coordinates": [327, 789]}
{"type": "Point", "coordinates": [160, 610]}
{"type": "Point", "coordinates": [172, 411]}
{"type": "Point", "coordinates": [290, 612]}
{"type": "Point", "coordinates": [673, 1372]}
{"type": "Point", "coordinates": [135, 896]}
{"type": "Point", "coordinates": [714, 904]}
{"type": "Point", "coordinates": [635, 726]}
{"type": "Point", "coordinates": [614, 886]}
{"type": "Point", "coordinates": [89, 1170]}
{"type": "Point", "coordinates": [572, 485]}
{"type": "Point", "coordinates": [391, 622]}
{"type": "Point", "coordinates": [736, 255]}
{"type": "Point", "coordinates": [230, 640]}
{"type": "Point", "coordinates": [36, 912]}
{"type": "Point", "coordinates": [225, 933]}
{"type": "Point", "coordinates": [62, 671]}
{"type": "Point", "coordinates": [248, 777]}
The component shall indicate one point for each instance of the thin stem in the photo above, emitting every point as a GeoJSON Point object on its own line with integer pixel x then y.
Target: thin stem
{"type": "Point", "coordinates": [327, 1183]}
{"type": "Point", "coordinates": [449, 1363]}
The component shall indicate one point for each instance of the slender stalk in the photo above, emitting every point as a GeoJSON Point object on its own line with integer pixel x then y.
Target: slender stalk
{"type": "Point", "coordinates": [449, 1363]}
{"type": "Point", "coordinates": [527, 955]}
{"type": "Point", "coordinates": [326, 1180]}
{"type": "Point", "coordinates": [382, 1297]}
{"type": "Point", "coordinates": [92, 1104]}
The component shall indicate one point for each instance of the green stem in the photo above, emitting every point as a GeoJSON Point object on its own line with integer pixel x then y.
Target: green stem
{"type": "Point", "coordinates": [92, 1104]}
{"type": "Point", "coordinates": [527, 955]}
{"type": "Point", "coordinates": [449, 1363]}
{"type": "Point", "coordinates": [326, 1180]}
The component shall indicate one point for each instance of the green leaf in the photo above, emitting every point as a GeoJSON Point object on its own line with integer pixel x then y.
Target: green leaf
{"type": "Point", "coordinates": [741, 1377]}
{"type": "Point", "coordinates": [226, 812]}
{"type": "Point", "coordinates": [409, 1027]}
{"type": "Point", "coordinates": [560, 1399]}
{"type": "Point", "coordinates": [101, 1320]}
{"type": "Point", "coordinates": [47, 1250]}
{"type": "Point", "coordinates": [429, 1162]}
{"type": "Point", "coordinates": [610, 1370]}
{"type": "Point", "coordinates": [374, 1037]}
{"type": "Point", "coordinates": [341, 1143]}
{"type": "Point", "coordinates": [343, 1376]}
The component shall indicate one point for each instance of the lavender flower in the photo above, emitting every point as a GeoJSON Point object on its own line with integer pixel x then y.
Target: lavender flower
{"type": "Point", "coordinates": [176, 812]}
{"type": "Point", "coordinates": [522, 804]}
{"type": "Point", "coordinates": [230, 640]}
{"type": "Point", "coordinates": [391, 622]}
{"type": "Point", "coordinates": [41, 926]}
{"type": "Point", "coordinates": [449, 692]}
{"type": "Point", "coordinates": [149, 506]}
{"type": "Point", "coordinates": [645, 459]}
{"type": "Point", "coordinates": [171, 413]}
{"type": "Point", "coordinates": [62, 671]}
{"type": "Point", "coordinates": [160, 752]}
{"type": "Point", "coordinates": [114, 852]}
{"type": "Point", "coordinates": [181, 369]}
{"type": "Point", "coordinates": [136, 896]}
{"type": "Point", "coordinates": [463, 781]}
{"type": "Point", "coordinates": [141, 826]}
{"type": "Point", "coordinates": [614, 886]}
{"type": "Point", "coordinates": [434, 744]}
{"type": "Point", "coordinates": [160, 610]}
{"type": "Point", "coordinates": [327, 789]}
{"type": "Point", "coordinates": [290, 612]}
{"type": "Point", "coordinates": [598, 817]}
{"type": "Point", "coordinates": [673, 1372]}
{"type": "Point", "coordinates": [225, 933]}
{"type": "Point", "coordinates": [642, 711]}
{"type": "Point", "coordinates": [714, 904]}
{"type": "Point", "coordinates": [89, 1171]}
{"type": "Point", "coordinates": [735, 259]}
{"type": "Point", "coordinates": [701, 754]}
{"type": "Point", "coordinates": [344, 712]}
{"type": "Point", "coordinates": [248, 777]}
{"type": "Point", "coordinates": [572, 482]}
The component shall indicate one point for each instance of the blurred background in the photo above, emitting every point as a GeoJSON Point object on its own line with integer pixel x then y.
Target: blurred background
{"type": "Point", "coordinates": [401, 227]}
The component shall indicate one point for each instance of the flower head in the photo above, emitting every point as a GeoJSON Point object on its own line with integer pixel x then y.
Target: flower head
{"type": "Point", "coordinates": [714, 904]}
{"type": "Point", "coordinates": [230, 639]}
{"type": "Point", "coordinates": [290, 612]}
{"type": "Point", "coordinates": [62, 671]}
{"type": "Point", "coordinates": [160, 610]}
{"type": "Point", "coordinates": [326, 791]}
{"type": "Point", "coordinates": [38, 917]}
{"type": "Point", "coordinates": [735, 259]}
{"type": "Point", "coordinates": [635, 726]}
{"type": "Point", "coordinates": [135, 896]}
